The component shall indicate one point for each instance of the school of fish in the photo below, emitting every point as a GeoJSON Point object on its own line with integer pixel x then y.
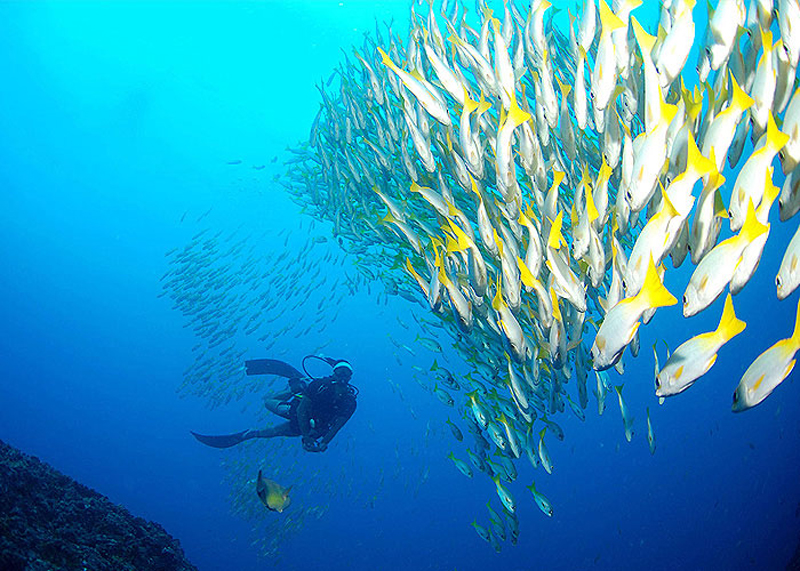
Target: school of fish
{"type": "Point", "coordinates": [529, 183]}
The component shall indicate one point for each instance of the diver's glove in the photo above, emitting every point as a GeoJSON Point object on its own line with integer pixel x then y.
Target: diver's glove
{"type": "Point", "coordinates": [310, 445]}
{"type": "Point", "coordinates": [322, 446]}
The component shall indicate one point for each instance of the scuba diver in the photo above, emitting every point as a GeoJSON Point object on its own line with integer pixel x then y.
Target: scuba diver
{"type": "Point", "coordinates": [314, 408]}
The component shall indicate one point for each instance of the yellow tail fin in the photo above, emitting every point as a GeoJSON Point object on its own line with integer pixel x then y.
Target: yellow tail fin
{"type": "Point", "coordinates": [696, 161]}
{"type": "Point", "coordinates": [729, 325]}
{"type": "Point", "coordinates": [795, 338]}
{"type": "Point", "coordinates": [525, 274]}
{"type": "Point", "coordinates": [497, 302]}
{"type": "Point", "coordinates": [591, 209]}
{"type": "Point", "coordinates": [739, 98]}
{"type": "Point", "coordinates": [653, 292]}
{"type": "Point", "coordinates": [386, 60]}
{"type": "Point", "coordinates": [565, 89]}
{"type": "Point", "coordinates": [516, 115]}
{"type": "Point", "coordinates": [556, 308]}
{"type": "Point", "coordinates": [775, 138]}
{"type": "Point", "coordinates": [645, 40]}
{"type": "Point", "coordinates": [608, 20]}
{"type": "Point", "coordinates": [770, 194]}
{"type": "Point", "coordinates": [555, 239]}
{"type": "Point", "coordinates": [752, 228]}
{"type": "Point", "coordinates": [469, 104]}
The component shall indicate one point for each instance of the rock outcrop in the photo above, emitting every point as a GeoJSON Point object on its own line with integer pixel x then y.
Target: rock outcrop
{"type": "Point", "coordinates": [49, 521]}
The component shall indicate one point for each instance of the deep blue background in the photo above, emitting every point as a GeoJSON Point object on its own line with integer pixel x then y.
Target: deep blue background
{"type": "Point", "coordinates": [115, 121]}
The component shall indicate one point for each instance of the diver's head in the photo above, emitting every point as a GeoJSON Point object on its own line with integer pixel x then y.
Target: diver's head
{"type": "Point", "coordinates": [342, 371]}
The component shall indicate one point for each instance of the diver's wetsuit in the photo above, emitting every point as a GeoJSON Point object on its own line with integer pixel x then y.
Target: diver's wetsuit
{"type": "Point", "coordinates": [320, 409]}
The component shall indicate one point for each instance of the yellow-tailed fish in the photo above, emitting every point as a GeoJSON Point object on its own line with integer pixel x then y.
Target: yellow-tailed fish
{"type": "Point", "coordinates": [749, 185]}
{"type": "Point", "coordinates": [696, 356]}
{"type": "Point", "coordinates": [541, 501]}
{"type": "Point", "coordinates": [767, 371]}
{"type": "Point", "coordinates": [716, 269]}
{"type": "Point", "coordinates": [763, 90]}
{"type": "Point", "coordinates": [427, 95]}
{"type": "Point", "coordinates": [621, 322]}
{"type": "Point", "coordinates": [724, 24]}
{"type": "Point", "coordinates": [461, 465]}
{"type": "Point", "coordinates": [505, 496]}
{"type": "Point", "coordinates": [751, 255]}
{"type": "Point", "coordinates": [604, 73]}
{"type": "Point", "coordinates": [674, 50]}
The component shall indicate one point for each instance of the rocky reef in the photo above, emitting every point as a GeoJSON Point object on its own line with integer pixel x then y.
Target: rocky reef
{"type": "Point", "coordinates": [49, 521]}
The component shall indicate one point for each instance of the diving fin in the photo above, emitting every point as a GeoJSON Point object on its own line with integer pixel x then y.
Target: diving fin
{"type": "Point", "coordinates": [271, 367]}
{"type": "Point", "coordinates": [222, 440]}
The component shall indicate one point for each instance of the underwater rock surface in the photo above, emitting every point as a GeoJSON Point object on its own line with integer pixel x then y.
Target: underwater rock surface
{"type": "Point", "coordinates": [49, 521]}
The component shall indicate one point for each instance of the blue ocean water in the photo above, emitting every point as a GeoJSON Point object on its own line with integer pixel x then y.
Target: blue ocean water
{"type": "Point", "coordinates": [119, 124]}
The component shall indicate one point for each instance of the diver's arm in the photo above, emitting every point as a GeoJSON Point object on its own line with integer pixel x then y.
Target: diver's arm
{"type": "Point", "coordinates": [304, 418]}
{"type": "Point", "coordinates": [336, 426]}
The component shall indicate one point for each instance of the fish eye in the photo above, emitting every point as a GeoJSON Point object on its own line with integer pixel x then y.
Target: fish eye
{"type": "Point", "coordinates": [778, 281]}
{"type": "Point", "coordinates": [782, 154]}
{"type": "Point", "coordinates": [685, 300]}
{"type": "Point", "coordinates": [668, 180]}
{"type": "Point", "coordinates": [591, 95]}
{"type": "Point", "coordinates": [730, 213]}
{"type": "Point", "coordinates": [658, 383]}
{"type": "Point", "coordinates": [735, 397]}
{"type": "Point", "coordinates": [708, 51]}
{"type": "Point", "coordinates": [628, 195]}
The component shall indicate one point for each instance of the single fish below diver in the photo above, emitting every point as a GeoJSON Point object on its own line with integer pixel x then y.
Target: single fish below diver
{"type": "Point", "coordinates": [274, 496]}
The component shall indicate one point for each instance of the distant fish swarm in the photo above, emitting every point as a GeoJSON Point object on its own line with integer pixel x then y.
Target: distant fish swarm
{"type": "Point", "coordinates": [523, 183]}
{"type": "Point", "coordinates": [228, 286]}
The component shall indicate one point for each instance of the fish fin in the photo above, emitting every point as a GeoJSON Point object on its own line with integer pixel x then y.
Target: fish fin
{"type": "Point", "coordinates": [739, 98]}
{"type": "Point", "coordinates": [591, 209]}
{"type": "Point", "coordinates": [752, 228]}
{"type": "Point", "coordinates": [775, 138]}
{"type": "Point", "coordinates": [695, 159]}
{"type": "Point", "coordinates": [720, 210]}
{"type": "Point", "coordinates": [498, 302]}
{"type": "Point", "coordinates": [795, 338]}
{"type": "Point", "coordinates": [766, 40]}
{"type": "Point", "coordinates": [608, 20]}
{"type": "Point", "coordinates": [564, 87]}
{"type": "Point", "coordinates": [770, 190]}
{"type": "Point", "coordinates": [668, 111]}
{"type": "Point", "coordinates": [556, 308]}
{"type": "Point", "coordinates": [386, 60]}
{"type": "Point", "coordinates": [555, 239]}
{"type": "Point", "coordinates": [729, 325]}
{"type": "Point", "coordinates": [525, 274]}
{"type": "Point", "coordinates": [653, 291]}
{"type": "Point", "coordinates": [515, 114]}
{"type": "Point", "coordinates": [645, 40]}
